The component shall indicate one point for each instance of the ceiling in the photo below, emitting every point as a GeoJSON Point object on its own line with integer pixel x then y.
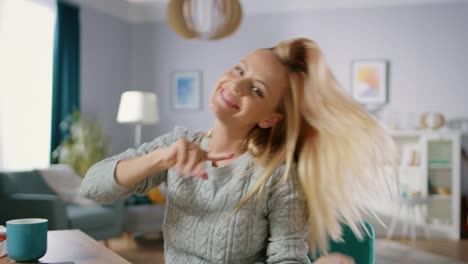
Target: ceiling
{"type": "Point", "coordinates": [141, 11]}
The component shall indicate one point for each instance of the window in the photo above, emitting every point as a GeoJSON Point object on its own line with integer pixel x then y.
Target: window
{"type": "Point", "coordinates": [26, 58]}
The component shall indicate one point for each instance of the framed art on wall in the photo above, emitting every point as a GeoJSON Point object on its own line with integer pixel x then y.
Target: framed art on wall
{"type": "Point", "coordinates": [369, 81]}
{"type": "Point", "coordinates": [186, 90]}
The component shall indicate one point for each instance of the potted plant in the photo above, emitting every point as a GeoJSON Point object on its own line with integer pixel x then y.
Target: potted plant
{"type": "Point", "coordinates": [85, 144]}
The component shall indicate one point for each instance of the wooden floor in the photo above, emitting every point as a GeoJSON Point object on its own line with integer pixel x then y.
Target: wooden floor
{"type": "Point", "coordinates": [152, 251]}
{"type": "Point", "coordinates": [143, 252]}
{"type": "Point", "coordinates": [455, 249]}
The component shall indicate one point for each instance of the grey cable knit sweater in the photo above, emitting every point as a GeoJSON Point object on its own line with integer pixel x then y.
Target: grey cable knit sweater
{"type": "Point", "coordinates": [200, 225]}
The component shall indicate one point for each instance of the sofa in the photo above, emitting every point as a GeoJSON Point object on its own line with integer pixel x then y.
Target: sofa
{"type": "Point", "coordinates": [25, 194]}
{"type": "Point", "coordinates": [141, 219]}
{"type": "Point", "coordinates": [145, 214]}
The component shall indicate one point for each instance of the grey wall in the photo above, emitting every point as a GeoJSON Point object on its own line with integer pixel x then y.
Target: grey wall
{"type": "Point", "coordinates": [105, 72]}
{"type": "Point", "coordinates": [426, 47]}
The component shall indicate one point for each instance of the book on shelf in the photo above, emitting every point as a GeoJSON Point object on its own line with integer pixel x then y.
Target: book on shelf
{"type": "Point", "coordinates": [410, 155]}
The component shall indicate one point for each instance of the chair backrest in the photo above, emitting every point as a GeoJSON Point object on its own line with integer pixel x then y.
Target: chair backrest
{"type": "Point", "coordinates": [362, 251]}
{"type": "Point", "coordinates": [24, 182]}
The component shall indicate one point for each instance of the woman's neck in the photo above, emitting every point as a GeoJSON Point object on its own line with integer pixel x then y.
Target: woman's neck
{"type": "Point", "coordinates": [226, 139]}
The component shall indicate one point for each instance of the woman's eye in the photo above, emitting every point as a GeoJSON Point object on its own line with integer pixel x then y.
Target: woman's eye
{"type": "Point", "coordinates": [257, 91]}
{"type": "Point", "coordinates": [239, 71]}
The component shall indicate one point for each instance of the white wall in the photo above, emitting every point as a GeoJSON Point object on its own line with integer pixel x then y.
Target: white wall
{"type": "Point", "coordinates": [426, 46]}
{"type": "Point", "coordinates": [105, 72]}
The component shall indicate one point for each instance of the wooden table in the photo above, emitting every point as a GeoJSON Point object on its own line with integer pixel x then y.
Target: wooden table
{"type": "Point", "coordinates": [74, 247]}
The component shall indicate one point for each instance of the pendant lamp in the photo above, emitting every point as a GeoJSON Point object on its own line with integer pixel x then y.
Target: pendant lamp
{"type": "Point", "coordinates": [204, 19]}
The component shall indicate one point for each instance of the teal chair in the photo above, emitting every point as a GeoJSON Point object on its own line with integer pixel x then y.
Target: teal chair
{"type": "Point", "coordinates": [362, 251]}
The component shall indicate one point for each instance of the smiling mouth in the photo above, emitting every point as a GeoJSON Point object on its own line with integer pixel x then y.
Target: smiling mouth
{"type": "Point", "coordinates": [227, 99]}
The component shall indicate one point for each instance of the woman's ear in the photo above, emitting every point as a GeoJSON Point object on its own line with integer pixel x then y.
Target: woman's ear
{"type": "Point", "coordinates": [271, 121]}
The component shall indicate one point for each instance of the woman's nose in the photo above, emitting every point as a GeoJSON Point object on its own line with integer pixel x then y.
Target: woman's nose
{"type": "Point", "coordinates": [239, 87]}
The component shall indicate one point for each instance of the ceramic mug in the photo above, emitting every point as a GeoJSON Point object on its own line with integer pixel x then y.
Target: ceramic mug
{"type": "Point", "coordinates": [27, 239]}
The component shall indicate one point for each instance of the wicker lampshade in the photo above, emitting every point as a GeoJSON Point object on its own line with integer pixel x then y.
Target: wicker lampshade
{"type": "Point", "coordinates": [204, 19]}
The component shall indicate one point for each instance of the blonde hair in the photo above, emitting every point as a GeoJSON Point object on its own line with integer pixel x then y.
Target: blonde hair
{"type": "Point", "coordinates": [339, 150]}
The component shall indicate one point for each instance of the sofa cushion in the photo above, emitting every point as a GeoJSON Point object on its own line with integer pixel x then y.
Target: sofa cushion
{"type": "Point", "coordinates": [144, 218]}
{"type": "Point", "coordinates": [90, 218]}
{"type": "Point", "coordinates": [64, 181]}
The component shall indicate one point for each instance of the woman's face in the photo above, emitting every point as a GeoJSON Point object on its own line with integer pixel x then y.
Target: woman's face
{"type": "Point", "coordinates": [249, 93]}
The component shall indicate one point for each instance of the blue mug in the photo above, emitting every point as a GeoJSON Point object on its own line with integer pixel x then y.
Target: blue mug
{"type": "Point", "coordinates": [27, 239]}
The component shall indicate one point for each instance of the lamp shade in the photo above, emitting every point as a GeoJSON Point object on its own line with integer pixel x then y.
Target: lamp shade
{"type": "Point", "coordinates": [137, 107]}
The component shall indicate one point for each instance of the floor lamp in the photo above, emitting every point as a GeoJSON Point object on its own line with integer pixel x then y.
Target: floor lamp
{"type": "Point", "coordinates": [138, 108]}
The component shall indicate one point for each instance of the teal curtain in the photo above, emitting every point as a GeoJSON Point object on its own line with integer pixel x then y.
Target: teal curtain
{"type": "Point", "coordinates": [66, 71]}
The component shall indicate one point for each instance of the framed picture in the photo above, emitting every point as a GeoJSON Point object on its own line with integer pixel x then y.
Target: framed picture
{"type": "Point", "coordinates": [369, 81]}
{"type": "Point", "coordinates": [186, 90]}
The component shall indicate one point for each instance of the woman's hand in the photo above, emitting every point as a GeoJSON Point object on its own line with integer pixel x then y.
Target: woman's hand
{"type": "Point", "coordinates": [334, 259]}
{"type": "Point", "coordinates": [187, 158]}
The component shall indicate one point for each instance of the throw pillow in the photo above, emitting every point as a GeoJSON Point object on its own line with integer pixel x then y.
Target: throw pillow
{"type": "Point", "coordinates": [156, 196]}
{"type": "Point", "coordinates": [64, 181]}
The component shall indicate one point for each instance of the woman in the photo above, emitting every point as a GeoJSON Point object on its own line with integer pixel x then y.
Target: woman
{"type": "Point", "coordinates": [289, 158]}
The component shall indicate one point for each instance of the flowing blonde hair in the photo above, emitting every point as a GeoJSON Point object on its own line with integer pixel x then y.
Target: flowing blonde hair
{"type": "Point", "coordinates": [339, 150]}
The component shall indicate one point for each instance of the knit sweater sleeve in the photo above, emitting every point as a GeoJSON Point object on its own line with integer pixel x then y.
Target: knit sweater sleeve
{"type": "Point", "coordinates": [288, 224]}
{"type": "Point", "coordinates": [100, 185]}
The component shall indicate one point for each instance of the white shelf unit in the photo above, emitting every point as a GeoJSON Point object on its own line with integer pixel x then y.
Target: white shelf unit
{"type": "Point", "coordinates": [433, 175]}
